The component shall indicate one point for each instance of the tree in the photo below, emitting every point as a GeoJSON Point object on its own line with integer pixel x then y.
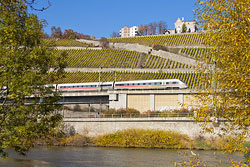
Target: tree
{"type": "Point", "coordinates": [104, 42]}
{"type": "Point", "coordinates": [27, 110]}
{"type": "Point", "coordinates": [56, 32]}
{"type": "Point", "coordinates": [152, 28]}
{"type": "Point", "coordinates": [69, 34]}
{"type": "Point", "coordinates": [141, 30]}
{"type": "Point", "coordinates": [227, 75]}
{"type": "Point", "coordinates": [184, 28]}
{"type": "Point", "coordinates": [162, 27]}
{"type": "Point", "coordinates": [115, 35]}
{"type": "Point", "coordinates": [146, 30]}
{"type": "Point", "coordinates": [81, 36]}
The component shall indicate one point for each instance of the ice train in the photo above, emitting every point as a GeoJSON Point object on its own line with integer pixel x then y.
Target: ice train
{"type": "Point", "coordinates": [123, 85]}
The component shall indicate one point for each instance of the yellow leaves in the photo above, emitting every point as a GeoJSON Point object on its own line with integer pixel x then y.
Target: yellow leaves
{"type": "Point", "coordinates": [143, 138]}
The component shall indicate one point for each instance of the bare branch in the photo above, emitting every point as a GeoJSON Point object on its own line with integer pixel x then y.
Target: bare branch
{"type": "Point", "coordinates": [30, 3]}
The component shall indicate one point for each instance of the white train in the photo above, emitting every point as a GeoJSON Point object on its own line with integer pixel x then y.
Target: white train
{"type": "Point", "coordinates": [123, 85]}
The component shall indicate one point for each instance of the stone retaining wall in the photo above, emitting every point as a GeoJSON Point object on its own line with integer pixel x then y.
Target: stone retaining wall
{"type": "Point", "coordinates": [98, 126]}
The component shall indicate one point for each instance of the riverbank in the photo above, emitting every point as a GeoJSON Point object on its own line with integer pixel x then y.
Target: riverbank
{"type": "Point", "coordinates": [139, 138]}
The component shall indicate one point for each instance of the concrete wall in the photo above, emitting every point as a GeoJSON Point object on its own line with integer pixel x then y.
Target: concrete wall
{"type": "Point", "coordinates": [98, 126]}
{"type": "Point", "coordinates": [152, 101]}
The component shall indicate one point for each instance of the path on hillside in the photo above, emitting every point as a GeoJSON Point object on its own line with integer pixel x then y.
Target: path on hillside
{"type": "Point", "coordinates": [147, 50]}
{"type": "Point", "coordinates": [72, 47]}
{"type": "Point", "coordinates": [126, 69]}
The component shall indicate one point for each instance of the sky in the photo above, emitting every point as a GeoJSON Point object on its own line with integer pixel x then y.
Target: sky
{"type": "Point", "coordinates": [102, 17]}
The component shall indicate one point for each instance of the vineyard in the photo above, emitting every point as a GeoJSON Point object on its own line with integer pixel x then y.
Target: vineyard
{"type": "Point", "coordinates": [115, 58]}
{"type": "Point", "coordinates": [190, 78]}
{"type": "Point", "coordinates": [168, 40]}
{"type": "Point", "coordinates": [65, 42]}
{"type": "Point", "coordinates": [197, 53]}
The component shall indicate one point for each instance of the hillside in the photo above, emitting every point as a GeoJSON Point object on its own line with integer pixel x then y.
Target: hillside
{"type": "Point", "coordinates": [86, 65]}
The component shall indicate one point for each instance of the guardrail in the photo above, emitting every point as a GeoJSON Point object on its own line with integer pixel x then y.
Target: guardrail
{"type": "Point", "coordinates": [150, 115]}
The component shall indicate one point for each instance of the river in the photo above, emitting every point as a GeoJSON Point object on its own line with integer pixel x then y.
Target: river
{"type": "Point", "coordinates": [108, 157]}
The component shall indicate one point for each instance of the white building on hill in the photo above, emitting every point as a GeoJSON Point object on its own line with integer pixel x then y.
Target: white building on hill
{"type": "Point", "coordinates": [191, 25]}
{"type": "Point", "coordinates": [129, 31]}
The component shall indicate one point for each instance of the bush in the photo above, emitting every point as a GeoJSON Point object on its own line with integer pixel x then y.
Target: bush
{"type": "Point", "coordinates": [143, 138]}
{"type": "Point", "coordinates": [175, 112]}
{"type": "Point", "coordinates": [160, 47]}
{"type": "Point", "coordinates": [122, 111]}
{"type": "Point", "coordinates": [76, 140]}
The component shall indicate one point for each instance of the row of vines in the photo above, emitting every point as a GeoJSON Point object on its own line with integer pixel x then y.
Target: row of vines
{"type": "Point", "coordinates": [166, 40]}
{"type": "Point", "coordinates": [197, 53]}
{"type": "Point", "coordinates": [192, 79]}
{"type": "Point", "coordinates": [115, 58]}
{"type": "Point", "coordinates": [65, 42]}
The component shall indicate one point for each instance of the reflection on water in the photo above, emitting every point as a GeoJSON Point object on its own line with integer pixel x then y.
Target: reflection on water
{"type": "Point", "coordinates": [108, 157]}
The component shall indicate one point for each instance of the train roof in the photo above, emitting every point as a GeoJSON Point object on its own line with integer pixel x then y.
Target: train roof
{"type": "Point", "coordinates": [149, 80]}
{"type": "Point", "coordinates": [85, 83]}
{"type": "Point", "coordinates": [94, 83]}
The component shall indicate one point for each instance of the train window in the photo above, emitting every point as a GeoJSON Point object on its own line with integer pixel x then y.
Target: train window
{"type": "Point", "coordinates": [119, 85]}
{"type": "Point", "coordinates": [106, 85]}
{"type": "Point", "coordinates": [167, 83]}
{"type": "Point", "coordinates": [174, 82]}
{"type": "Point", "coordinates": [144, 83]}
{"type": "Point", "coordinates": [157, 83]}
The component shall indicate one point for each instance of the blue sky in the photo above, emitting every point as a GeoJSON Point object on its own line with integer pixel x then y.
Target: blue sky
{"type": "Point", "coordinates": [102, 17]}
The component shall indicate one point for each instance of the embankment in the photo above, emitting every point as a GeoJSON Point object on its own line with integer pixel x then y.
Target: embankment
{"type": "Point", "coordinates": [93, 127]}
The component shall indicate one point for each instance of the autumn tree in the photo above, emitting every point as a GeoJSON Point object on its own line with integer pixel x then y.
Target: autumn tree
{"type": "Point", "coordinates": [56, 32]}
{"type": "Point", "coordinates": [227, 69]}
{"type": "Point", "coordinates": [69, 34]}
{"type": "Point", "coordinates": [27, 110]}
{"type": "Point", "coordinates": [81, 36]}
{"type": "Point", "coordinates": [141, 30]}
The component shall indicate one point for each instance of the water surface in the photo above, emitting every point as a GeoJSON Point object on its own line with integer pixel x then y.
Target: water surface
{"type": "Point", "coordinates": [109, 157]}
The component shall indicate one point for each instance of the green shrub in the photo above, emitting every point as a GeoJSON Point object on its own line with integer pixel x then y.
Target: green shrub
{"type": "Point", "coordinates": [122, 111]}
{"type": "Point", "coordinates": [143, 138]}
{"type": "Point", "coordinates": [160, 47]}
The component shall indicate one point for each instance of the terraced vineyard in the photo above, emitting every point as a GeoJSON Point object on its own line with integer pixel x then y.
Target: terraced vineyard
{"type": "Point", "coordinates": [168, 40]}
{"type": "Point", "coordinates": [191, 79]}
{"type": "Point", "coordinates": [197, 53]}
{"type": "Point", "coordinates": [65, 42]}
{"type": "Point", "coordinates": [157, 62]}
{"type": "Point", "coordinates": [115, 58]}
